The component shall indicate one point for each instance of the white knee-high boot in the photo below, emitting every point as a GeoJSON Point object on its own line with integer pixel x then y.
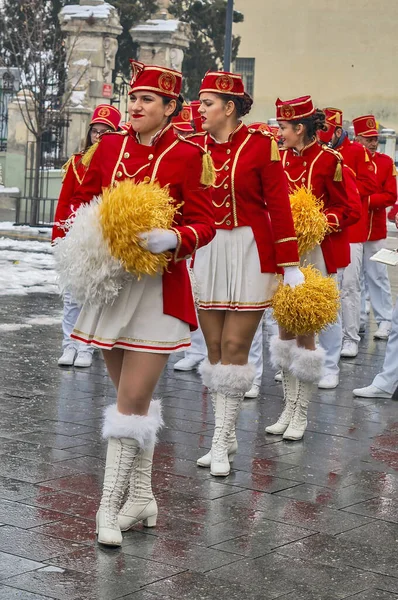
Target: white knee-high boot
{"type": "Point", "coordinates": [307, 367]}
{"type": "Point", "coordinates": [231, 382]}
{"type": "Point", "coordinates": [281, 358]}
{"type": "Point", "coordinates": [126, 435]}
{"type": "Point", "coordinates": [206, 370]}
{"type": "Point", "coordinates": [141, 504]}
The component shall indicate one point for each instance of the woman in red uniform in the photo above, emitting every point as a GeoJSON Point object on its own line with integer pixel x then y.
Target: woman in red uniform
{"type": "Point", "coordinates": [151, 317]}
{"type": "Point", "coordinates": [105, 118]}
{"type": "Point", "coordinates": [306, 164]}
{"type": "Point", "coordinates": [255, 239]}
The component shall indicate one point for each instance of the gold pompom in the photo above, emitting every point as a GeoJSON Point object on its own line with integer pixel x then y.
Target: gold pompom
{"type": "Point", "coordinates": [310, 222]}
{"type": "Point", "coordinates": [309, 307]}
{"type": "Point", "coordinates": [88, 155]}
{"type": "Point", "coordinates": [208, 176]}
{"type": "Point", "coordinates": [129, 209]}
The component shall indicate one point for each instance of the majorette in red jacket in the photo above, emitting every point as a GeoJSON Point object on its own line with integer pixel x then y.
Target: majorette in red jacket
{"type": "Point", "coordinates": [358, 159]}
{"type": "Point", "coordinates": [74, 174]}
{"type": "Point", "coordinates": [177, 163]}
{"type": "Point", "coordinates": [315, 167]}
{"type": "Point", "coordinates": [251, 190]}
{"type": "Point", "coordinates": [386, 196]}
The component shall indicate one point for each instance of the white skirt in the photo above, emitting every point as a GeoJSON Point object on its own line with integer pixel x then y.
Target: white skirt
{"type": "Point", "coordinates": [135, 321]}
{"type": "Point", "coordinates": [228, 273]}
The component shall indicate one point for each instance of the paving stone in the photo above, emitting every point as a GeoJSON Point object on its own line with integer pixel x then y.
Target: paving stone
{"type": "Point", "coordinates": [14, 565]}
{"type": "Point", "coordinates": [8, 593]}
{"type": "Point", "coordinates": [182, 554]}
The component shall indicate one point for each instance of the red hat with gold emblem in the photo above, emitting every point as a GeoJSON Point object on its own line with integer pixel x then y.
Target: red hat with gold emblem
{"type": "Point", "coordinates": [365, 126]}
{"type": "Point", "coordinates": [182, 122]}
{"type": "Point", "coordinates": [197, 119]}
{"type": "Point", "coordinates": [333, 116]}
{"type": "Point", "coordinates": [333, 119]}
{"type": "Point", "coordinates": [222, 82]}
{"type": "Point", "coordinates": [151, 78]}
{"type": "Point", "coordinates": [108, 115]}
{"type": "Point", "coordinates": [292, 110]}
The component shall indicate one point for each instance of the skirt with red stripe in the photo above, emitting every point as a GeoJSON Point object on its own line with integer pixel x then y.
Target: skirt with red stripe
{"type": "Point", "coordinates": [228, 273]}
{"type": "Point", "coordinates": [135, 321]}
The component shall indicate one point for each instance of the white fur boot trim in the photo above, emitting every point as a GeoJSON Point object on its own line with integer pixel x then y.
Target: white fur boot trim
{"type": "Point", "coordinates": [233, 379]}
{"type": "Point", "coordinates": [280, 352]}
{"type": "Point", "coordinates": [307, 365]}
{"type": "Point", "coordinates": [205, 370]}
{"type": "Point", "coordinates": [143, 429]}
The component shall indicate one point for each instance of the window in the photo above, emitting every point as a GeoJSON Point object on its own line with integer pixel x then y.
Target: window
{"type": "Point", "coordinates": [245, 66]}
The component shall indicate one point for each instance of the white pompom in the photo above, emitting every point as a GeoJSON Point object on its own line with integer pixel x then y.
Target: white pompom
{"type": "Point", "coordinates": [84, 264]}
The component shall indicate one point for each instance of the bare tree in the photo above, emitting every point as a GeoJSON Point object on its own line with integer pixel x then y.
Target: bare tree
{"type": "Point", "coordinates": [34, 43]}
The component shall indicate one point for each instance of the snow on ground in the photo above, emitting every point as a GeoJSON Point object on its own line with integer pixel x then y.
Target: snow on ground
{"type": "Point", "coordinates": [9, 226]}
{"type": "Point", "coordinates": [28, 324]}
{"type": "Point", "coordinates": [26, 267]}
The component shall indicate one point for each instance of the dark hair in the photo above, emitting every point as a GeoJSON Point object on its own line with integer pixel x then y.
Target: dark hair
{"type": "Point", "coordinates": [178, 108]}
{"type": "Point", "coordinates": [243, 104]}
{"type": "Point", "coordinates": [88, 141]}
{"type": "Point", "coordinates": [313, 123]}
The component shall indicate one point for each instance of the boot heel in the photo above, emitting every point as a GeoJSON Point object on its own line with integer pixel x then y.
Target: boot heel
{"type": "Point", "coordinates": [150, 521]}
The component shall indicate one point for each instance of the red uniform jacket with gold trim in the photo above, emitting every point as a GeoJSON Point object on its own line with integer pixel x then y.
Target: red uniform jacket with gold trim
{"type": "Point", "coordinates": [386, 196]}
{"type": "Point", "coordinates": [358, 159]}
{"type": "Point", "coordinates": [315, 167]}
{"type": "Point", "coordinates": [174, 162]}
{"type": "Point", "coordinates": [251, 190]}
{"type": "Point", "coordinates": [74, 175]}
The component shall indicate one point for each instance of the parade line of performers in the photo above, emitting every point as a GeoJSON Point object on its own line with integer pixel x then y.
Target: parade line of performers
{"type": "Point", "coordinates": [238, 235]}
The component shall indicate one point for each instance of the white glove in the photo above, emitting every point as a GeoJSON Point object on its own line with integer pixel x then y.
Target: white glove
{"type": "Point", "coordinates": [293, 276]}
{"type": "Point", "coordinates": [158, 240]}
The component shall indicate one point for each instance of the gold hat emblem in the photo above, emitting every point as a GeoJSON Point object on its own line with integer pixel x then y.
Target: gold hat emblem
{"type": "Point", "coordinates": [167, 82]}
{"type": "Point", "coordinates": [370, 123]}
{"type": "Point", "coordinates": [104, 112]}
{"type": "Point", "coordinates": [224, 83]}
{"type": "Point", "coordinates": [287, 112]}
{"type": "Point", "coordinates": [186, 114]}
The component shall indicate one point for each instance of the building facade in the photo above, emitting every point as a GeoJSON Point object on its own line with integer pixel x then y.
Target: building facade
{"type": "Point", "coordinates": [340, 52]}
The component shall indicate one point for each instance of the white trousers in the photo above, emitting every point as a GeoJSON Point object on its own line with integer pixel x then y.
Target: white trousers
{"type": "Point", "coordinates": [70, 315]}
{"type": "Point", "coordinates": [330, 339]}
{"type": "Point", "coordinates": [351, 294]}
{"type": "Point", "coordinates": [376, 276]}
{"type": "Point", "coordinates": [387, 380]}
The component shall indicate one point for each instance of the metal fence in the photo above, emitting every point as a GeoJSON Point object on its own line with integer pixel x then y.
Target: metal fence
{"type": "Point", "coordinates": [54, 153]}
{"type": "Point", "coordinates": [9, 85]}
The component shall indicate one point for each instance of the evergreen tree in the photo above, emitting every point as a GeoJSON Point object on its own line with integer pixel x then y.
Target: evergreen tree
{"type": "Point", "coordinates": [130, 13]}
{"type": "Point", "coordinates": [206, 48]}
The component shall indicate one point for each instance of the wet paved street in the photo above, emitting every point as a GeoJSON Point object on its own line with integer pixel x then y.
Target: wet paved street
{"type": "Point", "coordinates": [309, 520]}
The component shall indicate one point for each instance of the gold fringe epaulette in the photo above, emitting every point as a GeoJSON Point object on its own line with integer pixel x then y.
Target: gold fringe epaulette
{"type": "Point", "coordinates": [394, 170]}
{"type": "Point", "coordinates": [88, 155]}
{"type": "Point", "coordinates": [367, 159]}
{"type": "Point", "coordinates": [338, 174]}
{"type": "Point", "coordinates": [275, 154]}
{"type": "Point", "coordinates": [208, 177]}
{"type": "Point", "coordinates": [65, 167]}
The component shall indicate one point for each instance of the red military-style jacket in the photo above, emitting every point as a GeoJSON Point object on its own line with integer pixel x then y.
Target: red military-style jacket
{"type": "Point", "coordinates": [251, 190]}
{"type": "Point", "coordinates": [174, 162]}
{"type": "Point", "coordinates": [73, 177]}
{"type": "Point", "coordinates": [384, 197]}
{"type": "Point", "coordinates": [358, 159]}
{"type": "Point", "coordinates": [315, 167]}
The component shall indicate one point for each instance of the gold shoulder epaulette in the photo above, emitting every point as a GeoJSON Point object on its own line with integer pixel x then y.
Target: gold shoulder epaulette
{"type": "Point", "coordinates": [338, 174]}
{"type": "Point", "coordinates": [394, 169]}
{"type": "Point", "coordinates": [121, 132]}
{"type": "Point", "coordinates": [208, 177]}
{"type": "Point", "coordinates": [275, 154]}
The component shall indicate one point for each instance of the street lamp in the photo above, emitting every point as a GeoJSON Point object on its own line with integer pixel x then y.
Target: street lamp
{"type": "Point", "coordinates": [228, 35]}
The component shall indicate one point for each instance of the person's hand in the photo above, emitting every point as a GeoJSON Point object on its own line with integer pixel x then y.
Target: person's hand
{"type": "Point", "coordinates": [158, 240]}
{"type": "Point", "coordinates": [293, 276]}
